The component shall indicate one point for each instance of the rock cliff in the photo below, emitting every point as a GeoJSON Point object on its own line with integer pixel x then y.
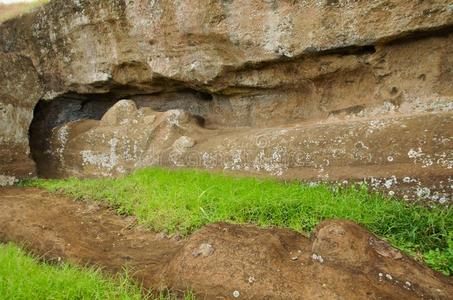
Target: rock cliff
{"type": "Point", "coordinates": [335, 90]}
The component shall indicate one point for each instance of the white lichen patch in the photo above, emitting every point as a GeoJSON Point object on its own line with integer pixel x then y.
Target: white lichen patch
{"type": "Point", "coordinates": [271, 162]}
{"type": "Point", "coordinates": [441, 159]}
{"type": "Point", "coordinates": [376, 125]}
{"type": "Point", "coordinates": [7, 180]}
{"type": "Point", "coordinates": [209, 160]}
{"type": "Point", "coordinates": [423, 192]}
{"type": "Point", "coordinates": [415, 153]}
{"type": "Point", "coordinates": [236, 161]}
{"type": "Point", "coordinates": [407, 179]}
{"type": "Point", "coordinates": [390, 182]}
{"type": "Point", "coordinates": [175, 117]}
{"type": "Point", "coordinates": [183, 143]}
{"type": "Point", "coordinates": [62, 136]}
{"type": "Point", "coordinates": [103, 160]}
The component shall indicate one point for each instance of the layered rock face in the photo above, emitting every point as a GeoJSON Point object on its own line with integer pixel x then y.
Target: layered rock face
{"type": "Point", "coordinates": [311, 90]}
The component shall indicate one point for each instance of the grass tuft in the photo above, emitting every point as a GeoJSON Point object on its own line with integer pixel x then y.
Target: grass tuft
{"type": "Point", "coordinates": [24, 277]}
{"type": "Point", "coordinates": [185, 200]}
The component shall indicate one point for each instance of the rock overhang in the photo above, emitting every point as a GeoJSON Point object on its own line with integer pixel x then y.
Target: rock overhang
{"type": "Point", "coordinates": [248, 69]}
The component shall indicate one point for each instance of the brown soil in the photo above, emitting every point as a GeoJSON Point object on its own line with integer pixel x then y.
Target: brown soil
{"type": "Point", "coordinates": [340, 261]}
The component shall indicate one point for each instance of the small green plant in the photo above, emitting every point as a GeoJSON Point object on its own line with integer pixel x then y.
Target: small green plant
{"type": "Point", "coordinates": [442, 260]}
{"type": "Point", "coordinates": [185, 200]}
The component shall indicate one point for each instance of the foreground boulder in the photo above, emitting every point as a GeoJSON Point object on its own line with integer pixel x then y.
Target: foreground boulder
{"type": "Point", "coordinates": [341, 260]}
{"type": "Point", "coordinates": [354, 90]}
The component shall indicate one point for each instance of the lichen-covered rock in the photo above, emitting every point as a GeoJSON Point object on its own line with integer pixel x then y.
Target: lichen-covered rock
{"type": "Point", "coordinates": [124, 139]}
{"type": "Point", "coordinates": [313, 90]}
{"type": "Point", "coordinates": [20, 90]}
{"type": "Point", "coordinates": [390, 153]}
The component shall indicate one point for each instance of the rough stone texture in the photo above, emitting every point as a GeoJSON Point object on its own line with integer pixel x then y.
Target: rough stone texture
{"type": "Point", "coordinates": [338, 90]}
{"type": "Point", "coordinates": [341, 260]}
{"type": "Point", "coordinates": [19, 92]}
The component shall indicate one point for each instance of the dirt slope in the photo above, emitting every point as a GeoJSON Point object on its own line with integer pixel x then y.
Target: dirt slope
{"type": "Point", "coordinates": [220, 261]}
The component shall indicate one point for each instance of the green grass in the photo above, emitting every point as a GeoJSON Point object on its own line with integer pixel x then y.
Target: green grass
{"type": "Point", "coordinates": [24, 277]}
{"type": "Point", "coordinates": [183, 201]}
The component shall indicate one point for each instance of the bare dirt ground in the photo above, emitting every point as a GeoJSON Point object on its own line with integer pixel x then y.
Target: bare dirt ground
{"type": "Point", "coordinates": [221, 261]}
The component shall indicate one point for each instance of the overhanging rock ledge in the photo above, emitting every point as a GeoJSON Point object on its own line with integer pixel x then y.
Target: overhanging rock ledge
{"type": "Point", "coordinates": [311, 90]}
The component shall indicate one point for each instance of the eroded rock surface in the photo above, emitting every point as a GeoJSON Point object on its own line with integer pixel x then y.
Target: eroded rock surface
{"type": "Point", "coordinates": [313, 90]}
{"type": "Point", "coordinates": [19, 93]}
